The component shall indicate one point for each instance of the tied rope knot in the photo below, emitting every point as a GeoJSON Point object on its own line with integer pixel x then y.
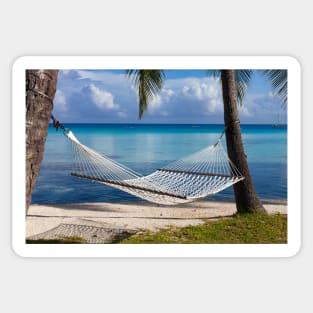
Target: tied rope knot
{"type": "Point", "coordinates": [57, 124]}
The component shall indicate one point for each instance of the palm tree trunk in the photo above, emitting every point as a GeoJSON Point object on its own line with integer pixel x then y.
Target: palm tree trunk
{"type": "Point", "coordinates": [247, 200]}
{"type": "Point", "coordinates": [40, 91]}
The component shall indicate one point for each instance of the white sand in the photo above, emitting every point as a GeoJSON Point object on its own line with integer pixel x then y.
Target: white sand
{"type": "Point", "coordinates": [42, 218]}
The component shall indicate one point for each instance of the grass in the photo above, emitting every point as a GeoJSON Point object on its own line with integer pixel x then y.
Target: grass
{"type": "Point", "coordinates": [241, 229]}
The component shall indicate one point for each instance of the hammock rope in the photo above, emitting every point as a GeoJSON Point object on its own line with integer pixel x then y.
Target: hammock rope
{"type": "Point", "coordinates": [196, 176]}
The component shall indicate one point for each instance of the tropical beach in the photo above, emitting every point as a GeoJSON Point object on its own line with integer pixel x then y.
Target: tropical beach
{"type": "Point", "coordinates": [103, 182]}
{"type": "Point", "coordinates": [102, 222]}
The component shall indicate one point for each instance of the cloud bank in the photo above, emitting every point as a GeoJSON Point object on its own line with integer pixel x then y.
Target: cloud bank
{"type": "Point", "coordinates": [109, 97]}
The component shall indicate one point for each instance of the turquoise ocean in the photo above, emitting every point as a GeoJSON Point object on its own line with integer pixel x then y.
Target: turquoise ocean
{"type": "Point", "coordinates": [146, 147]}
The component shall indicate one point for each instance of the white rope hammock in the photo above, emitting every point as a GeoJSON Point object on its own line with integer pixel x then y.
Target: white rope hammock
{"type": "Point", "coordinates": [196, 176]}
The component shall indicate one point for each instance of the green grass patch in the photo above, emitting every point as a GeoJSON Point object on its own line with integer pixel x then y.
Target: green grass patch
{"type": "Point", "coordinates": [241, 229]}
{"type": "Point", "coordinates": [66, 240]}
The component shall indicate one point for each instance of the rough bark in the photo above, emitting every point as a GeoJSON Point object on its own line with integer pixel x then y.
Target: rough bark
{"type": "Point", "coordinates": [247, 200]}
{"type": "Point", "coordinates": [40, 91]}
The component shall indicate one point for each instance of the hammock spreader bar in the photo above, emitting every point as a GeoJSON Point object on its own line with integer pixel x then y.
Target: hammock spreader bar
{"type": "Point", "coordinates": [195, 173]}
{"type": "Point", "coordinates": [112, 182]}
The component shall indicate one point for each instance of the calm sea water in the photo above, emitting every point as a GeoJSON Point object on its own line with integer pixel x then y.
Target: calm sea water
{"type": "Point", "coordinates": [147, 147]}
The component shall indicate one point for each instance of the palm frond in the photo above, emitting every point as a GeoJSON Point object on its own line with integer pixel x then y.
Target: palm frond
{"type": "Point", "coordinates": [243, 78]}
{"type": "Point", "coordinates": [279, 79]}
{"type": "Point", "coordinates": [149, 84]}
{"type": "Point", "coordinates": [215, 73]}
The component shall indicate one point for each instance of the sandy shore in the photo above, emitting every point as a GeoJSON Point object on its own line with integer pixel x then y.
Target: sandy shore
{"type": "Point", "coordinates": [93, 220]}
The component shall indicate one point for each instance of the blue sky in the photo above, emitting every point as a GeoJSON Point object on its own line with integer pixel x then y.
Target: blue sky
{"type": "Point", "coordinates": [187, 96]}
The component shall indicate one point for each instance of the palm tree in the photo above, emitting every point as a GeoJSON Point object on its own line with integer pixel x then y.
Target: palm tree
{"type": "Point", "coordinates": [247, 199]}
{"type": "Point", "coordinates": [40, 91]}
{"type": "Point", "coordinates": [234, 86]}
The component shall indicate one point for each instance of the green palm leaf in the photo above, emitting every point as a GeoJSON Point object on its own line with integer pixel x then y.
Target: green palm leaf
{"type": "Point", "coordinates": [243, 78]}
{"type": "Point", "coordinates": [215, 73]}
{"type": "Point", "coordinates": [279, 80]}
{"type": "Point", "coordinates": [148, 83]}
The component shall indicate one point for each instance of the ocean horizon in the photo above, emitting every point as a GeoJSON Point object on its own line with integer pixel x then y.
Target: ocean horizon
{"type": "Point", "coordinates": [146, 147]}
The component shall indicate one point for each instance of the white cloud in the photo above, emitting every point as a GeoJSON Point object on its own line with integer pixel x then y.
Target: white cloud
{"type": "Point", "coordinates": [60, 100]}
{"type": "Point", "coordinates": [156, 102]}
{"type": "Point", "coordinates": [160, 99]}
{"type": "Point", "coordinates": [214, 105]}
{"type": "Point", "coordinates": [186, 99]}
{"type": "Point", "coordinates": [201, 88]}
{"type": "Point", "coordinates": [205, 92]}
{"type": "Point", "coordinates": [167, 94]}
{"type": "Point", "coordinates": [102, 99]}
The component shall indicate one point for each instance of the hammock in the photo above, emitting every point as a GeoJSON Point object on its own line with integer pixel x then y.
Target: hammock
{"type": "Point", "coordinates": [196, 176]}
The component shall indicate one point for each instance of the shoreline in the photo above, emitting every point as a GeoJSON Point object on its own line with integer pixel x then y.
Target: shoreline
{"type": "Point", "coordinates": [91, 218]}
{"type": "Point", "coordinates": [146, 203]}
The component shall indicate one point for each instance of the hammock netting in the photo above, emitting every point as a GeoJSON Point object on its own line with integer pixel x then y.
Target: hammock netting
{"type": "Point", "coordinates": [196, 176]}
